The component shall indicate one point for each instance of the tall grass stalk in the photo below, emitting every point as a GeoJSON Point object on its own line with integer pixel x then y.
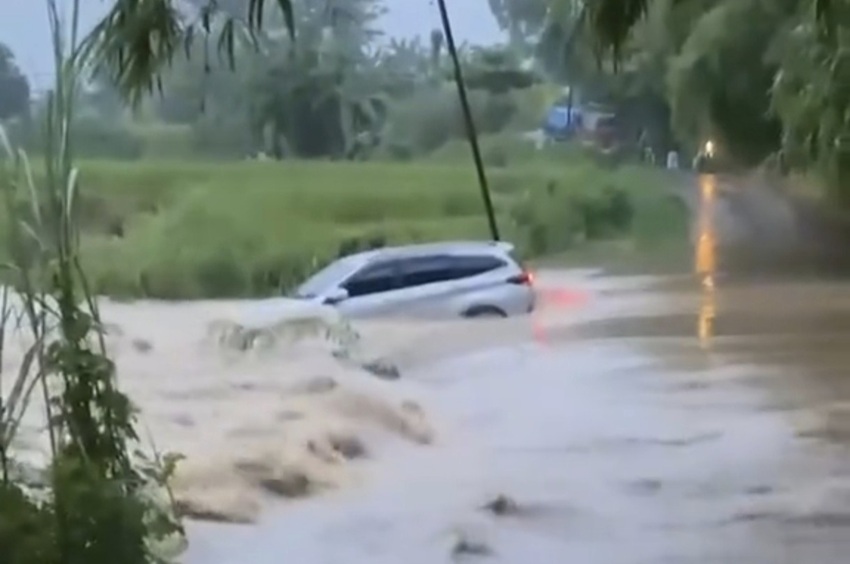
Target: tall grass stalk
{"type": "Point", "coordinates": [99, 508]}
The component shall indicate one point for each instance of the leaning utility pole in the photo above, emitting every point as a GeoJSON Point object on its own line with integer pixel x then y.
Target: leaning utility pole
{"type": "Point", "coordinates": [471, 133]}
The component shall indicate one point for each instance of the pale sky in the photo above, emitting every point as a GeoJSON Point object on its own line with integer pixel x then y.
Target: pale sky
{"type": "Point", "coordinates": [23, 27]}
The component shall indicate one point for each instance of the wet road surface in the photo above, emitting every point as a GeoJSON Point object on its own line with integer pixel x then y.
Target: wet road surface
{"type": "Point", "coordinates": [702, 418]}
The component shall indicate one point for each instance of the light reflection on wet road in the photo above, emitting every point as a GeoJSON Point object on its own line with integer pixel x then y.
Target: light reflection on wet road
{"type": "Point", "coordinates": [706, 260]}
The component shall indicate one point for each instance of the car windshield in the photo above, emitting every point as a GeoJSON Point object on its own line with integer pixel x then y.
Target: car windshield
{"type": "Point", "coordinates": [327, 277]}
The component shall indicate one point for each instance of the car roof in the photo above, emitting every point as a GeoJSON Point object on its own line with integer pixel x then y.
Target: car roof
{"type": "Point", "coordinates": [444, 247]}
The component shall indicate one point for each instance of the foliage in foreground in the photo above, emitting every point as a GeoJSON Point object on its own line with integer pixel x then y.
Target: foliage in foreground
{"type": "Point", "coordinates": [97, 502]}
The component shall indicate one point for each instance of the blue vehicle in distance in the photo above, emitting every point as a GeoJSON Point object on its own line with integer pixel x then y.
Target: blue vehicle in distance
{"type": "Point", "coordinates": [562, 122]}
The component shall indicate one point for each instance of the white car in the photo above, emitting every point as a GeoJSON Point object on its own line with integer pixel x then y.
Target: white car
{"type": "Point", "coordinates": [451, 279]}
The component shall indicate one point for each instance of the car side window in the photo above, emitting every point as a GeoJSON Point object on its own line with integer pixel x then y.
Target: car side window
{"type": "Point", "coordinates": [373, 280]}
{"type": "Point", "coordinates": [474, 265]}
{"type": "Point", "coordinates": [428, 270]}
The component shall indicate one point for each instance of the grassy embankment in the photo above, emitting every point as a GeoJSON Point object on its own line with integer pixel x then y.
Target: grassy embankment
{"type": "Point", "coordinates": [190, 230]}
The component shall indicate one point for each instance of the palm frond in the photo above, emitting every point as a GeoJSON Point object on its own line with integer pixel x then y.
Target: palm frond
{"type": "Point", "coordinates": [613, 20]}
{"type": "Point", "coordinates": [137, 39]}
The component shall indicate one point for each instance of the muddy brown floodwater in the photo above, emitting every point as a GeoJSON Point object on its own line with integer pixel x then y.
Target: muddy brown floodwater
{"type": "Point", "coordinates": [698, 418]}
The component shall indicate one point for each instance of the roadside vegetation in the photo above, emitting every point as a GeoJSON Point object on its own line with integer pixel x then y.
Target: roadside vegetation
{"type": "Point", "coordinates": [183, 230]}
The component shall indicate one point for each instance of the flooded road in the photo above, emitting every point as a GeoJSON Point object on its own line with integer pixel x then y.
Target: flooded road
{"type": "Point", "coordinates": [618, 443]}
{"type": "Point", "coordinates": [703, 417]}
{"type": "Point", "coordinates": [700, 418]}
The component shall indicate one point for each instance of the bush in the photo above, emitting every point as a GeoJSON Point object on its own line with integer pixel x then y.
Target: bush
{"type": "Point", "coordinates": [582, 204]}
{"type": "Point", "coordinates": [552, 221]}
{"type": "Point", "coordinates": [26, 528]}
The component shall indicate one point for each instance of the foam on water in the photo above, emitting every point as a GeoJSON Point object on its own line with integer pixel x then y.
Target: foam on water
{"type": "Point", "coordinates": [282, 420]}
{"type": "Point", "coordinates": [258, 399]}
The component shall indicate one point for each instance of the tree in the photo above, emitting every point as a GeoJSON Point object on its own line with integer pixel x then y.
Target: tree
{"type": "Point", "coordinates": [497, 71]}
{"type": "Point", "coordinates": [408, 64]}
{"type": "Point", "coordinates": [14, 86]}
{"type": "Point", "coordinates": [314, 108]}
{"type": "Point", "coordinates": [313, 100]}
{"type": "Point", "coordinates": [811, 96]}
{"type": "Point", "coordinates": [523, 20]}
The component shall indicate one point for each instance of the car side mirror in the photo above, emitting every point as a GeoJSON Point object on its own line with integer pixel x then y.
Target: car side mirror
{"type": "Point", "coordinates": [336, 296]}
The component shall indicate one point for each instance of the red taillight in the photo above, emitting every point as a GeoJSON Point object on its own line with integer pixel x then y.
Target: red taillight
{"type": "Point", "coordinates": [525, 278]}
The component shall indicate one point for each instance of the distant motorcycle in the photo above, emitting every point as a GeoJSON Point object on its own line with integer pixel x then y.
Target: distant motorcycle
{"type": "Point", "coordinates": [706, 161]}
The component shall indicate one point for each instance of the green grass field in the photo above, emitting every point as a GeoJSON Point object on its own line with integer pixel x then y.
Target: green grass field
{"type": "Point", "coordinates": [172, 229]}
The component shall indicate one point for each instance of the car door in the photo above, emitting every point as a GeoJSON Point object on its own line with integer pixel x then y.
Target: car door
{"type": "Point", "coordinates": [371, 290]}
